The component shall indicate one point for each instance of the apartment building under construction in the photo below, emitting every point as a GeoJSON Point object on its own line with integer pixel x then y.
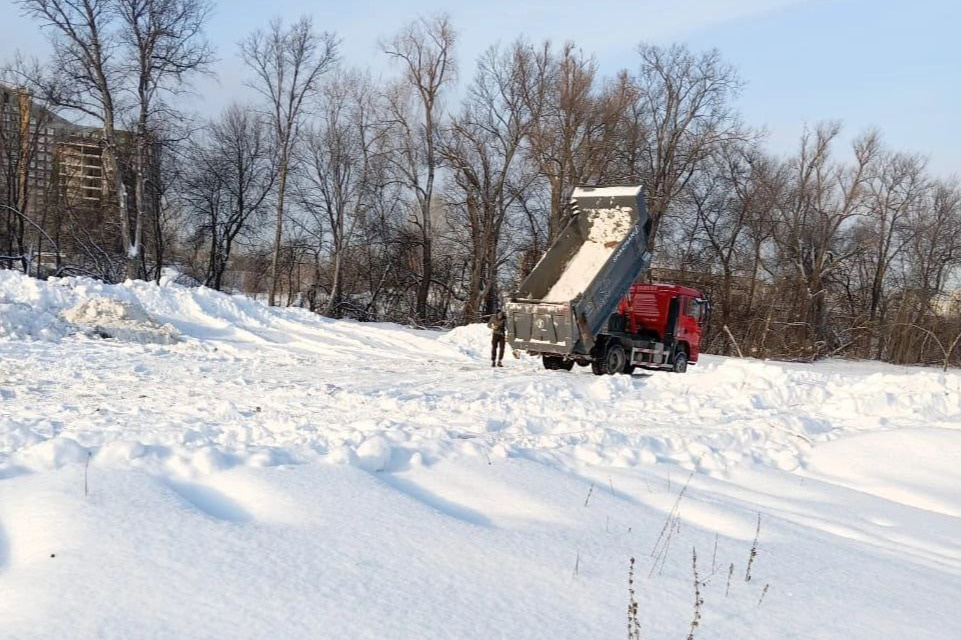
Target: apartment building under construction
{"type": "Point", "coordinates": [46, 158]}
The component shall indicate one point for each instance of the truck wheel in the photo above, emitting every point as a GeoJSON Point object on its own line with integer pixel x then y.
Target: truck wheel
{"type": "Point", "coordinates": [680, 362]}
{"type": "Point", "coordinates": [553, 363]}
{"type": "Point", "coordinates": [613, 362]}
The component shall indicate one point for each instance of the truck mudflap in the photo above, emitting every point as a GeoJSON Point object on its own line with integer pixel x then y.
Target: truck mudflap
{"type": "Point", "coordinates": [540, 327]}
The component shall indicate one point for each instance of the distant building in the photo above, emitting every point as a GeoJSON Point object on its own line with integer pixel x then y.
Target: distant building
{"type": "Point", "coordinates": [28, 136]}
{"type": "Point", "coordinates": [44, 156]}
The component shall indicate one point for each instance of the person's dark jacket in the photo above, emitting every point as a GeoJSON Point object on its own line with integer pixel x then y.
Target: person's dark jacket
{"type": "Point", "coordinates": [498, 325]}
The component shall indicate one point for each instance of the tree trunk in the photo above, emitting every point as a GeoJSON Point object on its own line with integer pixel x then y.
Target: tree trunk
{"type": "Point", "coordinates": [111, 163]}
{"type": "Point", "coordinates": [278, 232]}
{"type": "Point", "coordinates": [333, 301]}
{"type": "Point", "coordinates": [423, 288]}
{"type": "Point", "coordinates": [140, 192]}
{"type": "Point", "coordinates": [474, 293]}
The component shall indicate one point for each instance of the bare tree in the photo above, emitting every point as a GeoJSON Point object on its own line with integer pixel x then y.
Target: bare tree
{"type": "Point", "coordinates": [928, 264]}
{"type": "Point", "coordinates": [897, 187]}
{"type": "Point", "coordinates": [725, 194]}
{"type": "Point", "coordinates": [814, 220]}
{"type": "Point", "coordinates": [85, 51]}
{"type": "Point", "coordinates": [287, 64]}
{"type": "Point", "coordinates": [424, 50]}
{"type": "Point", "coordinates": [227, 184]}
{"type": "Point", "coordinates": [336, 178]}
{"type": "Point", "coordinates": [28, 106]}
{"type": "Point", "coordinates": [164, 43]}
{"type": "Point", "coordinates": [572, 140]}
{"type": "Point", "coordinates": [683, 109]}
{"type": "Point", "coordinates": [484, 151]}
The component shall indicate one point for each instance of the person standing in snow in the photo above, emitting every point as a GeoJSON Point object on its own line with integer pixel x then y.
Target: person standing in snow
{"type": "Point", "coordinates": [498, 326]}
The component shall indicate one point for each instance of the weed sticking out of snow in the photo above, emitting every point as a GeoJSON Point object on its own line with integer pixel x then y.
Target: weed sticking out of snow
{"type": "Point", "coordinates": [753, 554]}
{"type": "Point", "coordinates": [698, 600]}
{"type": "Point", "coordinates": [633, 624]}
{"type": "Point", "coordinates": [763, 593]}
{"type": "Point", "coordinates": [86, 470]}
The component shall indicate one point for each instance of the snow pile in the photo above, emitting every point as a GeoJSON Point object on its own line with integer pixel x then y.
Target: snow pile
{"type": "Point", "coordinates": [119, 319]}
{"type": "Point", "coordinates": [51, 310]}
{"type": "Point", "coordinates": [145, 312]}
{"type": "Point", "coordinates": [473, 340]}
{"type": "Point", "coordinates": [28, 309]}
{"type": "Point", "coordinates": [608, 227]}
{"type": "Point", "coordinates": [20, 321]}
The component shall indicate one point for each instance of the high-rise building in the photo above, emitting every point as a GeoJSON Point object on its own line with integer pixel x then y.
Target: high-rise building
{"type": "Point", "coordinates": [44, 156]}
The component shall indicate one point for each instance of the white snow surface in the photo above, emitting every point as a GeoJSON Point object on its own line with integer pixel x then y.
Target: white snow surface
{"type": "Point", "coordinates": [274, 474]}
{"type": "Point", "coordinates": [614, 192]}
{"type": "Point", "coordinates": [608, 227]}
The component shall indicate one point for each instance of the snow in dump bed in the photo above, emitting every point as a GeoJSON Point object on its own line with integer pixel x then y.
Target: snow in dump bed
{"type": "Point", "coordinates": [604, 192]}
{"type": "Point", "coordinates": [608, 227]}
{"type": "Point", "coordinates": [274, 474]}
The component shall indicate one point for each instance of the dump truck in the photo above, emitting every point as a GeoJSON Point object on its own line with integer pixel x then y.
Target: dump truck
{"type": "Point", "coordinates": [581, 303]}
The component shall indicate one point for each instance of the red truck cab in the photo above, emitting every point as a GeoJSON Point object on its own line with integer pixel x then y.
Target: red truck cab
{"type": "Point", "coordinates": [656, 326]}
{"type": "Point", "coordinates": [669, 314]}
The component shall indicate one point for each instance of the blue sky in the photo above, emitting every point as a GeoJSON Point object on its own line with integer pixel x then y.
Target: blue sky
{"type": "Point", "coordinates": [890, 64]}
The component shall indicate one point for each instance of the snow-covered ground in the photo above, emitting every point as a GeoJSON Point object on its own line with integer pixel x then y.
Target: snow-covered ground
{"type": "Point", "coordinates": [267, 473]}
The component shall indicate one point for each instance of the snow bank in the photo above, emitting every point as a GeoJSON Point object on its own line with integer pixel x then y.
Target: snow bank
{"type": "Point", "coordinates": [144, 312]}
{"type": "Point", "coordinates": [51, 310]}
{"type": "Point", "coordinates": [120, 319]}
{"type": "Point", "coordinates": [29, 308]}
{"type": "Point", "coordinates": [22, 322]}
{"type": "Point", "coordinates": [473, 340]}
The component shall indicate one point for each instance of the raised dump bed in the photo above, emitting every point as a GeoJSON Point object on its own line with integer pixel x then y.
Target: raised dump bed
{"type": "Point", "coordinates": [566, 301]}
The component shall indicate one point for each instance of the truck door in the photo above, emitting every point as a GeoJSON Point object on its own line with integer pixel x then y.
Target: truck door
{"type": "Point", "coordinates": [673, 314]}
{"type": "Point", "coordinates": [689, 325]}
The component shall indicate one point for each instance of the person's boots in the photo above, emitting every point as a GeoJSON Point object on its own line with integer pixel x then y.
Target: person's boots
{"type": "Point", "coordinates": [500, 364]}
{"type": "Point", "coordinates": [493, 363]}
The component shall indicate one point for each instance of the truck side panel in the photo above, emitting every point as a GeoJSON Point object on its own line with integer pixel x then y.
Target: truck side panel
{"type": "Point", "coordinates": [603, 295]}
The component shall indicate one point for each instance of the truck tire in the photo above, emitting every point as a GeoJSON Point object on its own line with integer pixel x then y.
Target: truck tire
{"type": "Point", "coordinates": [680, 362]}
{"type": "Point", "coordinates": [553, 363]}
{"type": "Point", "coordinates": [614, 361]}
